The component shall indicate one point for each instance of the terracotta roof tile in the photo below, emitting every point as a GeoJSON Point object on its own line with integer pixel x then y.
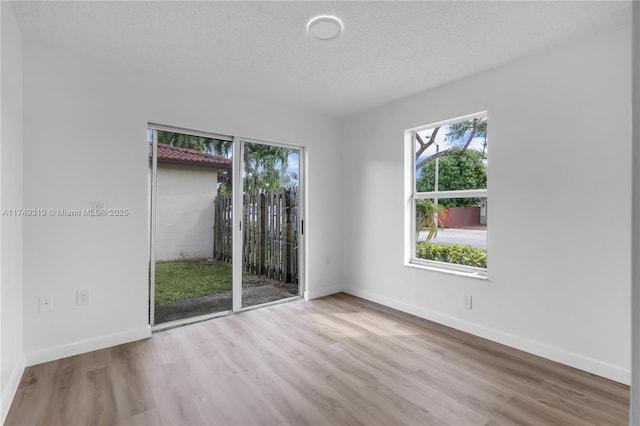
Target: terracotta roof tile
{"type": "Point", "coordinates": [172, 154]}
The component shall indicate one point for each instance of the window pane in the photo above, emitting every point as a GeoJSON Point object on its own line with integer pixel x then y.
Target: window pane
{"type": "Point", "coordinates": [452, 230]}
{"type": "Point", "coordinates": [193, 269]}
{"type": "Point", "coordinates": [452, 157]}
{"type": "Point", "coordinates": [270, 233]}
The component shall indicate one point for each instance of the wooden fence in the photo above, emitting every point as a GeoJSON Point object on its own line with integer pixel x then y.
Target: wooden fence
{"type": "Point", "coordinates": [269, 233]}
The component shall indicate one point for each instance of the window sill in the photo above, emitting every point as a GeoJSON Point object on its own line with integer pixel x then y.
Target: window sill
{"type": "Point", "coordinates": [479, 275]}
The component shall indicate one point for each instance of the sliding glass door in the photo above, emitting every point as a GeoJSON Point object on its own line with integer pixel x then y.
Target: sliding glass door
{"type": "Point", "coordinates": [225, 231]}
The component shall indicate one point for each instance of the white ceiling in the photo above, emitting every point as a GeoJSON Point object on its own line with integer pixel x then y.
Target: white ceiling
{"type": "Point", "coordinates": [388, 50]}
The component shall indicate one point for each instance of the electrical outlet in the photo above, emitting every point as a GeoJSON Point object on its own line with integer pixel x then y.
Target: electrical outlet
{"type": "Point", "coordinates": [46, 304]}
{"type": "Point", "coordinates": [466, 301]}
{"type": "Point", "coordinates": [83, 297]}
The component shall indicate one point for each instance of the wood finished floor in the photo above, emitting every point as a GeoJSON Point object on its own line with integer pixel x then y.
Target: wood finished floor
{"type": "Point", "coordinates": [338, 360]}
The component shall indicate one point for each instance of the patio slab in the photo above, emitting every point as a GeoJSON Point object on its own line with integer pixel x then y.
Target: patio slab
{"type": "Point", "coordinates": [221, 302]}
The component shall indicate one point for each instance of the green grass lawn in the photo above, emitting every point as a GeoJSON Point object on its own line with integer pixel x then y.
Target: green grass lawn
{"type": "Point", "coordinates": [176, 281]}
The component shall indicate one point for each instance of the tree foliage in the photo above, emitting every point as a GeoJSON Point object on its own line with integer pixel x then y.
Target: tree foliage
{"type": "Point", "coordinates": [456, 172]}
{"type": "Point", "coordinates": [460, 135]}
{"type": "Point", "coordinates": [457, 131]}
{"type": "Point", "coordinates": [266, 168]}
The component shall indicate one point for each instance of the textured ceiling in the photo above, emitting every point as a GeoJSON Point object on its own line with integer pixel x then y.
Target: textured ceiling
{"type": "Point", "coordinates": [388, 50]}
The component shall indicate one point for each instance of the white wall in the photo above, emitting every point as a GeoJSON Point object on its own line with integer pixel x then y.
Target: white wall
{"type": "Point", "coordinates": [11, 342]}
{"type": "Point", "coordinates": [184, 218]}
{"type": "Point", "coordinates": [559, 183]}
{"type": "Point", "coordinates": [86, 140]}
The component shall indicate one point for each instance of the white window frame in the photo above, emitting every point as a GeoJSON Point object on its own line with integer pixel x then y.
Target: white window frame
{"type": "Point", "coordinates": [411, 195]}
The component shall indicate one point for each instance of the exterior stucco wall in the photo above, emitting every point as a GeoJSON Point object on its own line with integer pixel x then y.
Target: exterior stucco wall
{"type": "Point", "coordinates": [184, 226]}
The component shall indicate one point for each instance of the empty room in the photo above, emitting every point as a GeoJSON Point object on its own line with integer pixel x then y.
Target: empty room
{"type": "Point", "coordinates": [319, 213]}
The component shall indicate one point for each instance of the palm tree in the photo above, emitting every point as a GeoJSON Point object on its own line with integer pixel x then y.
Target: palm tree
{"type": "Point", "coordinates": [266, 167]}
{"type": "Point", "coordinates": [429, 215]}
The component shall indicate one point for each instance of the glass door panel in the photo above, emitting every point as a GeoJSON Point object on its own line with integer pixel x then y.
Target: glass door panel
{"type": "Point", "coordinates": [192, 251]}
{"type": "Point", "coordinates": [270, 234]}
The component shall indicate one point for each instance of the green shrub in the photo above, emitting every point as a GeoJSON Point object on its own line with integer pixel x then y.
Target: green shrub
{"type": "Point", "coordinates": [452, 253]}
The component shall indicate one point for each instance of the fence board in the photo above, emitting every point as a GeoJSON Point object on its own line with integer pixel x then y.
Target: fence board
{"type": "Point", "coordinates": [222, 248]}
{"type": "Point", "coordinates": [269, 236]}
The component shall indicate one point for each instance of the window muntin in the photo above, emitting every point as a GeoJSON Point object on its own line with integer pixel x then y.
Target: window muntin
{"type": "Point", "coordinates": [448, 196]}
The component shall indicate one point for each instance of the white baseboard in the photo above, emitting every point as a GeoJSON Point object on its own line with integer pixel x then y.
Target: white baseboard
{"type": "Point", "coordinates": [572, 359]}
{"type": "Point", "coordinates": [76, 348]}
{"type": "Point", "coordinates": [325, 291]}
{"type": "Point", "coordinates": [9, 392]}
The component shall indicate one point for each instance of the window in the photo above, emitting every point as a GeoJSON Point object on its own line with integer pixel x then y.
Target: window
{"type": "Point", "coordinates": [446, 188]}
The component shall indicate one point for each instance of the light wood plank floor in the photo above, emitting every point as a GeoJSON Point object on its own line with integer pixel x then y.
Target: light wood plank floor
{"type": "Point", "coordinates": [339, 360]}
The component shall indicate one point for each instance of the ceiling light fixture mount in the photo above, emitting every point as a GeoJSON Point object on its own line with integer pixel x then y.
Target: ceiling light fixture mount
{"type": "Point", "coordinates": [325, 27]}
